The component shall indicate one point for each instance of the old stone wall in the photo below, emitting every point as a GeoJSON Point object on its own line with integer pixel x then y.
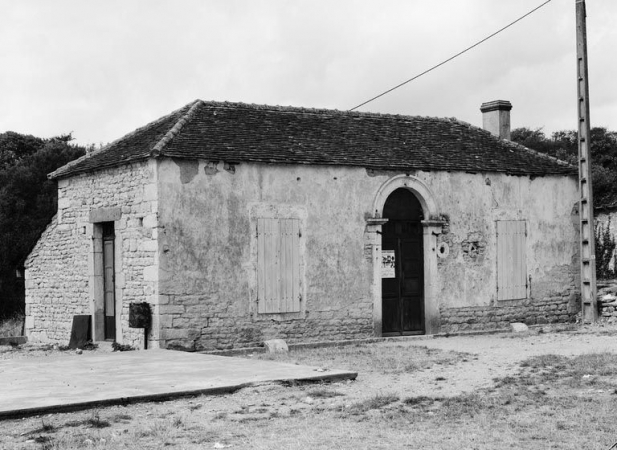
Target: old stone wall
{"type": "Point", "coordinates": [468, 274]}
{"type": "Point", "coordinates": [52, 287]}
{"type": "Point", "coordinates": [607, 300]}
{"type": "Point", "coordinates": [60, 271]}
{"type": "Point", "coordinates": [186, 242]}
{"type": "Point", "coordinates": [208, 261]}
{"type": "Point", "coordinates": [560, 307]}
{"type": "Point", "coordinates": [208, 213]}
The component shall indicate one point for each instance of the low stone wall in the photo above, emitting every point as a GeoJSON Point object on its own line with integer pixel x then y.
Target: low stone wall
{"type": "Point", "coordinates": [608, 311]}
{"type": "Point", "coordinates": [607, 300]}
{"type": "Point", "coordinates": [190, 323]}
{"type": "Point", "coordinates": [292, 331]}
{"type": "Point", "coordinates": [561, 309]}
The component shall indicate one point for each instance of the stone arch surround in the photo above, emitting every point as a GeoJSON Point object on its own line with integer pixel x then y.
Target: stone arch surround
{"type": "Point", "coordinates": [431, 229]}
{"type": "Point", "coordinates": [416, 186]}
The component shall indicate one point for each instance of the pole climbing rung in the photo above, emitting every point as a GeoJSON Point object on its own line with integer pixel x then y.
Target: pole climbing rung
{"type": "Point", "coordinates": [587, 245]}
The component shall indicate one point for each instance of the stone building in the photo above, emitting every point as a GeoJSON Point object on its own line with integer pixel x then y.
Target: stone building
{"type": "Point", "coordinates": [239, 223]}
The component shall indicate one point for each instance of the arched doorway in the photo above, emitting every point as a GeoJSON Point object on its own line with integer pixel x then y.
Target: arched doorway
{"type": "Point", "coordinates": [402, 280]}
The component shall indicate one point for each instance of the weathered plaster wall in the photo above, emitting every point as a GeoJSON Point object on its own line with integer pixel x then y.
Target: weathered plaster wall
{"type": "Point", "coordinates": [208, 263]}
{"type": "Point", "coordinates": [60, 270]}
{"type": "Point", "coordinates": [474, 205]}
{"type": "Point", "coordinates": [207, 273]}
{"type": "Point", "coordinates": [186, 243]}
{"type": "Point", "coordinates": [468, 274]}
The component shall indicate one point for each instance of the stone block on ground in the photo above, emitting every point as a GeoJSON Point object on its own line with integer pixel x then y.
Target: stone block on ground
{"type": "Point", "coordinates": [518, 327]}
{"type": "Point", "coordinates": [276, 346]}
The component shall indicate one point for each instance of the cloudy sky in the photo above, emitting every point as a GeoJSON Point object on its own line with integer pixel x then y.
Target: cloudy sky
{"type": "Point", "coordinates": [100, 69]}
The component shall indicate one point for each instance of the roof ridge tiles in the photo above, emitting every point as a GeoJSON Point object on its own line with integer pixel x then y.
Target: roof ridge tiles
{"type": "Point", "coordinates": [321, 111]}
{"type": "Point", "coordinates": [160, 145]}
{"type": "Point", "coordinates": [539, 154]}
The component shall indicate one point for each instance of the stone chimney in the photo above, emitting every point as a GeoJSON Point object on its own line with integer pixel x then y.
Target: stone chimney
{"type": "Point", "coordinates": [496, 118]}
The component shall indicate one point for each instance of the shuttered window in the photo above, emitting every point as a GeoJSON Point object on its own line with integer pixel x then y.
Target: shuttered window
{"type": "Point", "coordinates": [511, 260]}
{"type": "Point", "coordinates": [278, 265]}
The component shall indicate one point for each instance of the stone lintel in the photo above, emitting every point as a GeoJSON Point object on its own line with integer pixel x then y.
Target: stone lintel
{"type": "Point", "coordinates": [105, 215]}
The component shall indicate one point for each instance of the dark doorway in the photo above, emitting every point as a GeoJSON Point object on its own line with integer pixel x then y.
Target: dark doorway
{"type": "Point", "coordinates": [403, 281]}
{"type": "Point", "coordinates": [109, 285]}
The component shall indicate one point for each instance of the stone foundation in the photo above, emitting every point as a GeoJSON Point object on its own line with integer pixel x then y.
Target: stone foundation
{"type": "Point", "coordinates": [253, 334]}
{"type": "Point", "coordinates": [192, 323]}
{"type": "Point", "coordinates": [562, 309]}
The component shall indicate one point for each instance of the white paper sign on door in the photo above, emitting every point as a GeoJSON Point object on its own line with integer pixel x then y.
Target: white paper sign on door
{"type": "Point", "coordinates": [388, 264]}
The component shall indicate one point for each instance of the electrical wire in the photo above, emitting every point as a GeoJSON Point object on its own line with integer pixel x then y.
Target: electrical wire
{"type": "Point", "coordinates": [452, 57]}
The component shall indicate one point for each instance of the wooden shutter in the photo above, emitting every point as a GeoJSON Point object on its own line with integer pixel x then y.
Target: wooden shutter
{"type": "Point", "coordinates": [511, 260]}
{"type": "Point", "coordinates": [278, 265]}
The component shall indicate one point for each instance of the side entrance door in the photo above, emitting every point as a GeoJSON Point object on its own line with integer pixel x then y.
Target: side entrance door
{"type": "Point", "coordinates": [109, 285]}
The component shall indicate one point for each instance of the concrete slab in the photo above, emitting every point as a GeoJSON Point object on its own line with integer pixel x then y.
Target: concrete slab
{"type": "Point", "coordinates": [64, 383]}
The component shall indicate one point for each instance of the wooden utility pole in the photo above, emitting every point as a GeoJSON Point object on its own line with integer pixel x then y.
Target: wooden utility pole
{"type": "Point", "coordinates": [588, 251]}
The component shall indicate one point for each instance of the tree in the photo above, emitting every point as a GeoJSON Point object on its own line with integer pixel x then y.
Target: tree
{"type": "Point", "coordinates": [534, 139]}
{"type": "Point", "coordinates": [564, 145]}
{"type": "Point", "coordinates": [28, 201]}
{"type": "Point", "coordinates": [605, 250]}
{"type": "Point", "coordinates": [15, 146]}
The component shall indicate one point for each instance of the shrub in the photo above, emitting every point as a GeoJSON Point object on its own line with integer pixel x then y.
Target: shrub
{"type": "Point", "coordinates": [605, 250]}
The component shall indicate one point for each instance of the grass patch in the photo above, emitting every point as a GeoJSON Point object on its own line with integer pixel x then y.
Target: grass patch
{"type": "Point", "coordinates": [381, 357]}
{"type": "Point", "coordinates": [595, 369]}
{"type": "Point", "coordinates": [44, 428]}
{"type": "Point", "coordinates": [121, 418]}
{"type": "Point", "coordinates": [377, 401]}
{"type": "Point", "coordinates": [420, 400]}
{"type": "Point", "coordinates": [42, 439]}
{"type": "Point", "coordinates": [95, 421]}
{"type": "Point", "coordinates": [324, 393]}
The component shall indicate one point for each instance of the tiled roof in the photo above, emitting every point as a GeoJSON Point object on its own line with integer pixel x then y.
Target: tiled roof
{"type": "Point", "coordinates": [238, 132]}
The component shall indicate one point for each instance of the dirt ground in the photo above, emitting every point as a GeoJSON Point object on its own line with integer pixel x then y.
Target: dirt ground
{"type": "Point", "coordinates": [481, 359]}
{"type": "Point", "coordinates": [451, 366]}
{"type": "Point", "coordinates": [500, 355]}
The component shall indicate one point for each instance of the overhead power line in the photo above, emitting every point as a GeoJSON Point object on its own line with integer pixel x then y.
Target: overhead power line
{"type": "Point", "coordinates": [452, 57]}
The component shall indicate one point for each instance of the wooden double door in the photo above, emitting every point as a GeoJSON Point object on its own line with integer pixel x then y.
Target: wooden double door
{"type": "Point", "coordinates": [403, 279]}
